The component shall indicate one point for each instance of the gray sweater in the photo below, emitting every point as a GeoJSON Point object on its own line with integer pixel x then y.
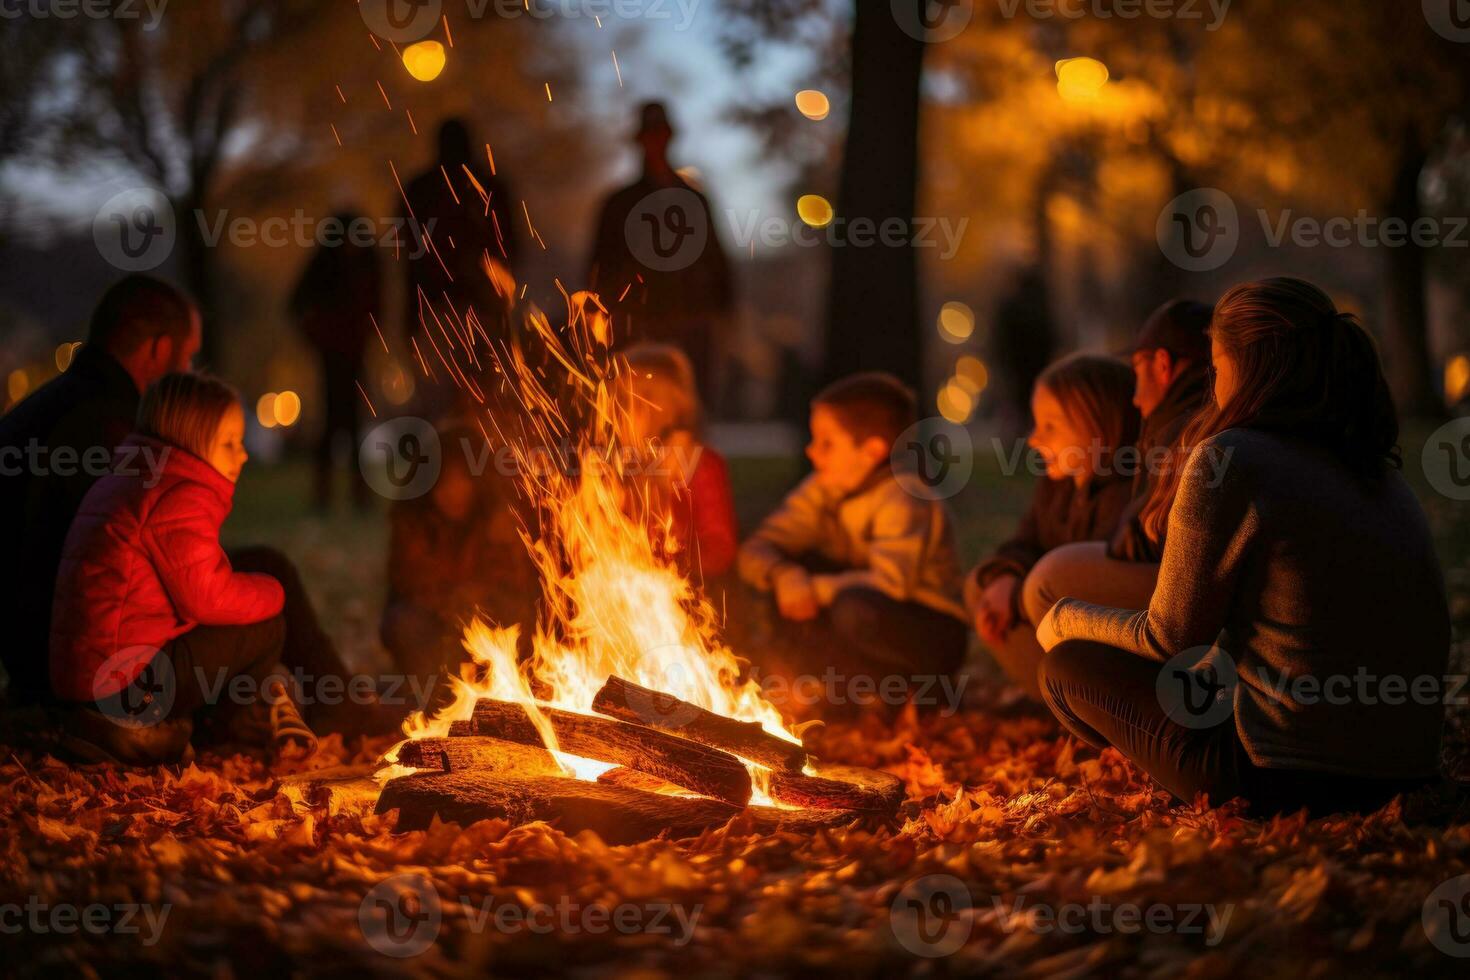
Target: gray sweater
{"type": "Point", "coordinates": [1322, 586]}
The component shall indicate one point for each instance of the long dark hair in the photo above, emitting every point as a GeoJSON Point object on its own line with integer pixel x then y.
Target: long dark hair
{"type": "Point", "coordinates": [1303, 368]}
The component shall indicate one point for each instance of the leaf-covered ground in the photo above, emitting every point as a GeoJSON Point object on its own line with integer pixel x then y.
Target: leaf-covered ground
{"type": "Point", "coordinates": [1018, 853]}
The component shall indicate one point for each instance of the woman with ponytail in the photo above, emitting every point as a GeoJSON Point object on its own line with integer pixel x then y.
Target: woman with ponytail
{"type": "Point", "coordinates": [1294, 651]}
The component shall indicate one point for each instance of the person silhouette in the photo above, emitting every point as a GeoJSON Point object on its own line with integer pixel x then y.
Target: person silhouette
{"type": "Point", "coordinates": [656, 261]}
{"type": "Point", "coordinates": [461, 219]}
{"type": "Point", "coordinates": [334, 304]}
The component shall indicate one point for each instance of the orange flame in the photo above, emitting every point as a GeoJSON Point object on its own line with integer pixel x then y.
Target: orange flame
{"type": "Point", "coordinates": [612, 603]}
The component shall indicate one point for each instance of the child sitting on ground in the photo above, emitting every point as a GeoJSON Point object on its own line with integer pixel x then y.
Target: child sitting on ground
{"type": "Point", "coordinates": [863, 566]}
{"type": "Point", "coordinates": [1083, 413]}
{"type": "Point", "coordinates": [452, 552]}
{"type": "Point", "coordinates": [682, 484]}
{"type": "Point", "coordinates": [151, 625]}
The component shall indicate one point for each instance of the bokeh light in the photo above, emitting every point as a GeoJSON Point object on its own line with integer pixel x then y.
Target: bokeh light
{"type": "Point", "coordinates": [971, 374]}
{"type": "Point", "coordinates": [17, 385]}
{"type": "Point", "coordinates": [1081, 79]}
{"type": "Point", "coordinates": [815, 210]}
{"type": "Point", "coordinates": [65, 353]}
{"type": "Point", "coordinates": [956, 322]}
{"type": "Point", "coordinates": [813, 104]}
{"type": "Point", "coordinates": [955, 404]}
{"type": "Point", "coordinates": [265, 410]}
{"type": "Point", "coordinates": [424, 60]}
{"type": "Point", "coordinates": [287, 408]}
{"type": "Point", "coordinates": [395, 383]}
{"type": "Point", "coordinates": [1457, 378]}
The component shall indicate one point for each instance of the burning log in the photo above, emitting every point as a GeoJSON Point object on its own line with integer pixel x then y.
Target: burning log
{"type": "Point", "coordinates": [476, 752]}
{"type": "Point", "coordinates": [617, 814]}
{"type": "Point", "coordinates": [653, 709]}
{"type": "Point", "coordinates": [839, 788]}
{"type": "Point", "coordinates": [680, 761]}
{"type": "Point", "coordinates": [633, 779]}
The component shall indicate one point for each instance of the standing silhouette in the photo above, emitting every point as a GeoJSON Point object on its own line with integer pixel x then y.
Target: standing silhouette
{"type": "Point", "coordinates": [335, 304]}
{"type": "Point", "coordinates": [657, 262]}
{"type": "Point", "coordinates": [463, 218]}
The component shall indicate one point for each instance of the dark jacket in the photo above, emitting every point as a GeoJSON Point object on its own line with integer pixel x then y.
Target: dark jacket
{"type": "Point", "coordinates": [698, 287]}
{"type": "Point", "coordinates": [452, 231]}
{"type": "Point", "coordinates": [1161, 430]}
{"type": "Point", "coordinates": [1060, 513]}
{"type": "Point", "coordinates": [338, 297]}
{"type": "Point", "coordinates": [143, 565]}
{"type": "Point", "coordinates": [452, 567]}
{"type": "Point", "coordinates": [1323, 588]}
{"type": "Point", "coordinates": [84, 414]}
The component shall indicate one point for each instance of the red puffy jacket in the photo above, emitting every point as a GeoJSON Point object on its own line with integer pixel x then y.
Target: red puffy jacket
{"type": "Point", "coordinates": [142, 565]}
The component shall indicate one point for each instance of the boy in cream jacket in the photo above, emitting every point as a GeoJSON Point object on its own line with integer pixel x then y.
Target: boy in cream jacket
{"type": "Point", "coordinates": [861, 564]}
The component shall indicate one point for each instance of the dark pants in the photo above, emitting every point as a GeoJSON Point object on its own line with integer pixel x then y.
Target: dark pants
{"type": "Point", "coordinates": [339, 374]}
{"type": "Point", "coordinates": [1106, 696]}
{"type": "Point", "coordinates": [307, 646]}
{"type": "Point", "coordinates": [865, 648]}
{"type": "Point", "coordinates": [206, 660]}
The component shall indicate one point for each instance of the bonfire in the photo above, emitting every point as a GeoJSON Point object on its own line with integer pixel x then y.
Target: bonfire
{"type": "Point", "coordinates": [630, 717]}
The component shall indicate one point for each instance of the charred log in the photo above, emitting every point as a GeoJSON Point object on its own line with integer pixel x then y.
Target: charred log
{"type": "Point", "coordinates": [680, 761]}
{"type": "Point", "coordinates": [629, 702]}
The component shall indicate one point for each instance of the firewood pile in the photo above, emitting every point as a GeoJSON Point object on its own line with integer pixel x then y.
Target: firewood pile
{"type": "Point", "coordinates": [678, 770]}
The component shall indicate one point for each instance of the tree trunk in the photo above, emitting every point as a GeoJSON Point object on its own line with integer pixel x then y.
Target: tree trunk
{"type": "Point", "coordinates": [1405, 289]}
{"type": "Point", "coordinates": [873, 303]}
{"type": "Point", "coordinates": [196, 268]}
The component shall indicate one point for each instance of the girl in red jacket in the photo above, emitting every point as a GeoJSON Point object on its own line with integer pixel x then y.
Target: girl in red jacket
{"type": "Point", "coordinates": [684, 481]}
{"type": "Point", "coordinates": [150, 623]}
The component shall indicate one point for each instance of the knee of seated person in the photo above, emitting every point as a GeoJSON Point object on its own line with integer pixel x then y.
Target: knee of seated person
{"type": "Point", "coordinates": [271, 633]}
{"type": "Point", "coordinates": [1038, 594]}
{"type": "Point", "coordinates": [1066, 663]}
{"type": "Point", "coordinates": [853, 612]}
{"type": "Point", "coordinates": [266, 561]}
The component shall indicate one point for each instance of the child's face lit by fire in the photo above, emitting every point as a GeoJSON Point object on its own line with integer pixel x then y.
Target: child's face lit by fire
{"type": "Point", "coordinates": [1063, 447]}
{"type": "Point", "coordinates": [227, 449]}
{"type": "Point", "coordinates": [454, 493]}
{"type": "Point", "coordinates": [840, 461]}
